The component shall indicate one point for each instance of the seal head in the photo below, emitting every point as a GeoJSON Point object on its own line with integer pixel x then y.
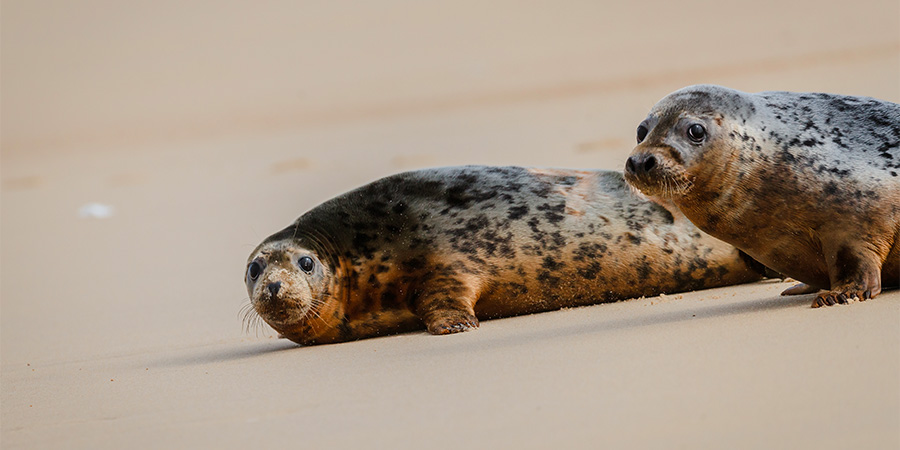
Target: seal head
{"type": "Point", "coordinates": [290, 287]}
{"type": "Point", "coordinates": [678, 140]}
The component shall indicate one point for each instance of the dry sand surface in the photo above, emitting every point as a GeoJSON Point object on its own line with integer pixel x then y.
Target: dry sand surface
{"type": "Point", "coordinates": [208, 125]}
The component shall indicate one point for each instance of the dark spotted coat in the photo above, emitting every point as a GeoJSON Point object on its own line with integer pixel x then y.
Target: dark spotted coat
{"type": "Point", "coordinates": [806, 183]}
{"type": "Point", "coordinates": [444, 247]}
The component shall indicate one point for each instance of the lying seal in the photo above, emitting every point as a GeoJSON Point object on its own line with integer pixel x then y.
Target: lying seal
{"type": "Point", "coordinates": [807, 184]}
{"type": "Point", "coordinates": [445, 247]}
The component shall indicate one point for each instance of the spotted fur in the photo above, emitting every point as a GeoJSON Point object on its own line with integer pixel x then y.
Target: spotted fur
{"type": "Point", "coordinates": [806, 183]}
{"type": "Point", "coordinates": [446, 247]}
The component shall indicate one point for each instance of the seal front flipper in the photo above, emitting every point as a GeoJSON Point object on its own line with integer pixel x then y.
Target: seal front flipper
{"type": "Point", "coordinates": [855, 275]}
{"type": "Point", "coordinates": [447, 306]}
{"type": "Point", "coordinates": [451, 321]}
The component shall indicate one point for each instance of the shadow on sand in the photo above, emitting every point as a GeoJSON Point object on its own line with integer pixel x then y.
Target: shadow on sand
{"type": "Point", "coordinates": [213, 354]}
{"type": "Point", "coordinates": [521, 336]}
{"type": "Point", "coordinates": [598, 328]}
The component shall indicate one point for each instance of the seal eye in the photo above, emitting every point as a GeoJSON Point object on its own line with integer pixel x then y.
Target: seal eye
{"type": "Point", "coordinates": [254, 270]}
{"type": "Point", "coordinates": [306, 264]}
{"type": "Point", "coordinates": [696, 132]}
{"type": "Point", "coordinates": [641, 133]}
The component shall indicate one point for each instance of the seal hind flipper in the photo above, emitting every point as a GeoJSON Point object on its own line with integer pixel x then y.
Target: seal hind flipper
{"type": "Point", "coordinates": [800, 289]}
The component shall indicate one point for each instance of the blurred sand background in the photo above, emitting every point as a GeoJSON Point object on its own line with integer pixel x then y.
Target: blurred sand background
{"type": "Point", "coordinates": [208, 125]}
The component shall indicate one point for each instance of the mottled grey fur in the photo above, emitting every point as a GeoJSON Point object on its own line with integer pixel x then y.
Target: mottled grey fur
{"type": "Point", "coordinates": [806, 183]}
{"type": "Point", "coordinates": [442, 246]}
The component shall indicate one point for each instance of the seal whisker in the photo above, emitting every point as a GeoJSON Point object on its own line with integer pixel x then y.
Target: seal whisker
{"type": "Point", "coordinates": [248, 320]}
{"type": "Point", "coordinates": [667, 187]}
{"type": "Point", "coordinates": [681, 186]}
{"type": "Point", "coordinates": [246, 312]}
{"type": "Point", "coordinates": [312, 320]}
{"type": "Point", "coordinates": [314, 307]}
{"type": "Point", "coordinates": [256, 325]}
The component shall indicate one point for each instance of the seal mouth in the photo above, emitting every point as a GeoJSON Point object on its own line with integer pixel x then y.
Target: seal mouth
{"type": "Point", "coordinates": [663, 185]}
{"type": "Point", "coordinates": [655, 176]}
{"type": "Point", "coordinates": [297, 321]}
{"type": "Point", "coordinates": [279, 311]}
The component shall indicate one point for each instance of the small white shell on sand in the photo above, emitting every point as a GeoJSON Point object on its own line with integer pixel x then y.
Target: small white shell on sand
{"type": "Point", "coordinates": [96, 211]}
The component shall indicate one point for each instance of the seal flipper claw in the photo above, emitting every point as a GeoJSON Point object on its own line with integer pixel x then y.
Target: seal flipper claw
{"type": "Point", "coordinates": [850, 294]}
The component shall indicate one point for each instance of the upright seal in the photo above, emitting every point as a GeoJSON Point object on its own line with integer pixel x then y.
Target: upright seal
{"type": "Point", "coordinates": [445, 247]}
{"type": "Point", "coordinates": [807, 184]}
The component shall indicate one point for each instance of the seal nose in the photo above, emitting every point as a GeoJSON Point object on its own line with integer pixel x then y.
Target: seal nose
{"type": "Point", "coordinates": [640, 164]}
{"type": "Point", "coordinates": [274, 287]}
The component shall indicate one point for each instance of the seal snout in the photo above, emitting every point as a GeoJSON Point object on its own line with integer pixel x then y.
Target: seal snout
{"type": "Point", "coordinates": [655, 171]}
{"type": "Point", "coordinates": [640, 164]}
{"type": "Point", "coordinates": [274, 288]}
{"type": "Point", "coordinates": [642, 170]}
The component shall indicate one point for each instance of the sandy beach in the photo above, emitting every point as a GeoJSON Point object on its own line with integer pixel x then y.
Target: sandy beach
{"type": "Point", "coordinates": [197, 130]}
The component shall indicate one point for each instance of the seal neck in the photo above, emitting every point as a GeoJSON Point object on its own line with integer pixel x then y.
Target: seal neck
{"type": "Point", "coordinates": [716, 204]}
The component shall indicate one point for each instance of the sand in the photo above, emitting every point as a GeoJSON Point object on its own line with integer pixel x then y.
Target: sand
{"type": "Point", "coordinates": [204, 128]}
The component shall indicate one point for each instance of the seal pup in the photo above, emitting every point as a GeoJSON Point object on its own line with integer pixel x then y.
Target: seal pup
{"type": "Point", "coordinates": [806, 183]}
{"type": "Point", "coordinates": [443, 248]}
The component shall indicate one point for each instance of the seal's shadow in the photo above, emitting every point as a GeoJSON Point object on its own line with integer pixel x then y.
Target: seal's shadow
{"type": "Point", "coordinates": [207, 355]}
{"type": "Point", "coordinates": [517, 338]}
{"type": "Point", "coordinates": [526, 335]}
